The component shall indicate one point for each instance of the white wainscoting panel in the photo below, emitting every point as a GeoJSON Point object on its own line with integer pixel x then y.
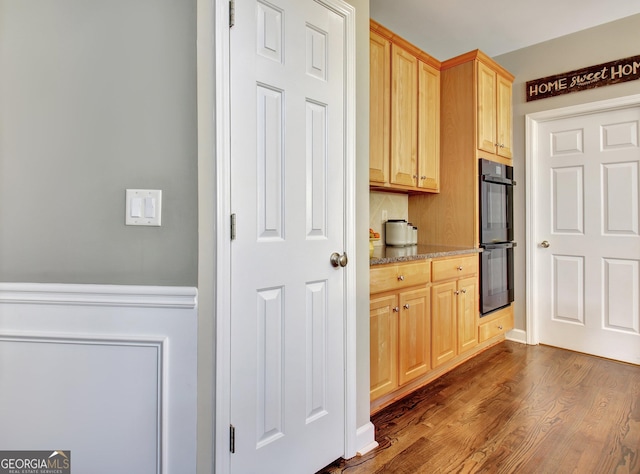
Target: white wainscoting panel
{"type": "Point", "coordinates": [107, 372]}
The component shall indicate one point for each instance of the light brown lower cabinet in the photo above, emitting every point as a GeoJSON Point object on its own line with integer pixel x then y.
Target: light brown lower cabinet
{"type": "Point", "coordinates": [399, 325]}
{"type": "Point", "coordinates": [416, 328]}
{"type": "Point", "coordinates": [383, 344]}
{"type": "Point", "coordinates": [468, 309]}
{"type": "Point", "coordinates": [443, 322]}
{"type": "Point", "coordinates": [454, 308]}
{"type": "Point", "coordinates": [399, 339]}
{"type": "Point", "coordinates": [414, 352]}
{"type": "Point", "coordinates": [453, 319]}
{"type": "Point", "coordinates": [496, 324]}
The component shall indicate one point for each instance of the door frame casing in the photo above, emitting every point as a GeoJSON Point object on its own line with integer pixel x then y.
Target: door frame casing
{"type": "Point", "coordinates": [222, 253]}
{"type": "Point", "coordinates": [531, 154]}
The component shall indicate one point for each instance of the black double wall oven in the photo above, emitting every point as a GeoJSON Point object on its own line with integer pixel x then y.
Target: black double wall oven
{"type": "Point", "coordinates": [496, 235]}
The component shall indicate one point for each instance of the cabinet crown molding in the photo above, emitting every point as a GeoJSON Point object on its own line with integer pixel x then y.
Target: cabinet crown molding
{"type": "Point", "coordinates": [476, 54]}
{"type": "Point", "coordinates": [400, 41]}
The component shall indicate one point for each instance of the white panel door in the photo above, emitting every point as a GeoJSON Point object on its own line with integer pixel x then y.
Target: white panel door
{"type": "Point", "coordinates": [588, 243]}
{"type": "Point", "coordinates": [287, 192]}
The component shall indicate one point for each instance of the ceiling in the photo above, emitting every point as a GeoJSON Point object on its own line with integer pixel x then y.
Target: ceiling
{"type": "Point", "coordinates": [447, 28]}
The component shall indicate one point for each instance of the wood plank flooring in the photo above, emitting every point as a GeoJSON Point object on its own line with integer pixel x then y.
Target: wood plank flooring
{"type": "Point", "coordinates": [513, 409]}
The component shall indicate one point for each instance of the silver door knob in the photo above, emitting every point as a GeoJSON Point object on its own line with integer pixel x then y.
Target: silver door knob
{"type": "Point", "coordinates": [544, 244]}
{"type": "Point", "coordinates": [338, 260]}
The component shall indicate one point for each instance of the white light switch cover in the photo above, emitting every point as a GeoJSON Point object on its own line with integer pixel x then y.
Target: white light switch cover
{"type": "Point", "coordinates": [143, 207]}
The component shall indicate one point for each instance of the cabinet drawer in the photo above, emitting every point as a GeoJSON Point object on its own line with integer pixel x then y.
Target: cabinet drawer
{"type": "Point", "coordinates": [498, 325]}
{"type": "Point", "coordinates": [445, 269]}
{"type": "Point", "coordinates": [393, 277]}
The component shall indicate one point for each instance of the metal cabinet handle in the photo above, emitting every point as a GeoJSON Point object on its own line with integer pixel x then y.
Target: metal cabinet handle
{"type": "Point", "coordinates": [396, 309]}
{"type": "Point", "coordinates": [406, 306]}
{"type": "Point", "coordinates": [463, 290]}
{"type": "Point", "coordinates": [460, 268]}
{"type": "Point", "coordinates": [401, 278]}
{"type": "Point", "coordinates": [456, 292]}
{"type": "Point", "coordinates": [500, 327]}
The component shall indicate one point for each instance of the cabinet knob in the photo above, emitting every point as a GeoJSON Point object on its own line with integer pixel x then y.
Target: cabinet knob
{"type": "Point", "coordinates": [456, 292]}
{"type": "Point", "coordinates": [501, 145]}
{"type": "Point", "coordinates": [500, 327]}
{"type": "Point", "coordinates": [463, 290]}
{"type": "Point", "coordinates": [406, 306]}
{"type": "Point", "coordinates": [460, 268]}
{"type": "Point", "coordinates": [400, 277]}
{"type": "Point", "coordinates": [396, 309]}
{"type": "Point", "coordinates": [423, 177]}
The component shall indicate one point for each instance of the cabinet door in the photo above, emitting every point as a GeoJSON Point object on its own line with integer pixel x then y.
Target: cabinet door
{"type": "Point", "coordinates": [467, 314]}
{"type": "Point", "coordinates": [404, 117]}
{"type": "Point", "coordinates": [414, 341]}
{"type": "Point", "coordinates": [379, 108]}
{"type": "Point", "coordinates": [428, 127]}
{"type": "Point", "coordinates": [486, 109]}
{"type": "Point", "coordinates": [504, 117]}
{"type": "Point", "coordinates": [443, 323]}
{"type": "Point", "coordinates": [383, 343]}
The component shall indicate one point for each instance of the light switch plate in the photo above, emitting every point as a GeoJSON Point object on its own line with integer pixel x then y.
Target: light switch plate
{"type": "Point", "coordinates": [143, 207]}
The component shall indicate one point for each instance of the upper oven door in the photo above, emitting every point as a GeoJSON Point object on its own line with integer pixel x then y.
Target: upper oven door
{"type": "Point", "coordinates": [496, 202]}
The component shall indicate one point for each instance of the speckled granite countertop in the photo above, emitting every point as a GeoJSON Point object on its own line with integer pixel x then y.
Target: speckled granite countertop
{"type": "Point", "coordinates": [386, 254]}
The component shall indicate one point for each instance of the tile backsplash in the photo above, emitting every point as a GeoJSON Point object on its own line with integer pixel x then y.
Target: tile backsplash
{"type": "Point", "coordinates": [395, 205]}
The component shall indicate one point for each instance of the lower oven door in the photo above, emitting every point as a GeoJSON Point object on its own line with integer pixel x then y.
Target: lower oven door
{"type": "Point", "coordinates": [496, 277]}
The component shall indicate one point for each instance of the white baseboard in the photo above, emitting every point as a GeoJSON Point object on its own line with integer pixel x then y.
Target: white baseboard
{"type": "Point", "coordinates": [517, 335]}
{"type": "Point", "coordinates": [98, 369]}
{"type": "Point", "coordinates": [366, 439]}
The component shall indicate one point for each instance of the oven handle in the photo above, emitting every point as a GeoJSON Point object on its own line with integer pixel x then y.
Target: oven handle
{"type": "Point", "coordinates": [497, 180]}
{"type": "Point", "coordinates": [507, 245]}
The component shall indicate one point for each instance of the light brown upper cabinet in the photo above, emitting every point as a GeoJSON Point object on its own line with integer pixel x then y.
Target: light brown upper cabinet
{"type": "Point", "coordinates": [379, 108]}
{"type": "Point", "coordinates": [494, 112]}
{"type": "Point", "coordinates": [475, 117]}
{"type": "Point", "coordinates": [404, 117]}
{"type": "Point", "coordinates": [428, 127]}
{"type": "Point", "coordinates": [479, 87]}
{"type": "Point", "coordinates": [404, 129]}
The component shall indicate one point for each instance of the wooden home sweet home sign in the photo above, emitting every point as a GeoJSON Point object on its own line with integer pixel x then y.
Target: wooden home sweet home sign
{"type": "Point", "coordinates": [614, 72]}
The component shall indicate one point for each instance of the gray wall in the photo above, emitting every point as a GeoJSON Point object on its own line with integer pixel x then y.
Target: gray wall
{"type": "Point", "coordinates": [97, 96]}
{"type": "Point", "coordinates": [608, 42]}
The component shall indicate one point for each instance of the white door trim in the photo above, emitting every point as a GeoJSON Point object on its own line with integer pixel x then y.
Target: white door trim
{"type": "Point", "coordinates": [222, 257]}
{"type": "Point", "coordinates": [532, 122]}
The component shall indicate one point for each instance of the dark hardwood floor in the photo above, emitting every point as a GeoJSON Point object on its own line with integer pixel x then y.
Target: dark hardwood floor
{"type": "Point", "coordinates": [513, 409]}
